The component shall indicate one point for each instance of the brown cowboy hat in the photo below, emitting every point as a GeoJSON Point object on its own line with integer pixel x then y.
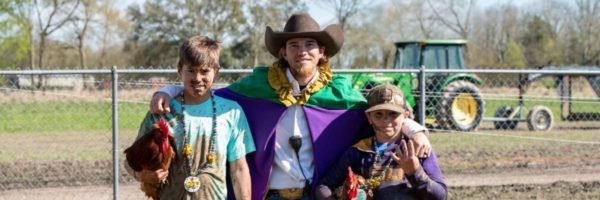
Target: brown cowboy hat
{"type": "Point", "coordinates": [302, 25]}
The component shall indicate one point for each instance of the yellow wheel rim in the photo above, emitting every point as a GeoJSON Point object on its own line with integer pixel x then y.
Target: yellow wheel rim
{"type": "Point", "coordinates": [464, 108]}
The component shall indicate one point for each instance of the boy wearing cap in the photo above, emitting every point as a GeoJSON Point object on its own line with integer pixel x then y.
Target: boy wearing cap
{"type": "Point", "coordinates": [384, 166]}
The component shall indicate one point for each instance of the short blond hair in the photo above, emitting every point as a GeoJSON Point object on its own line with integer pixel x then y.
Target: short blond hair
{"type": "Point", "coordinates": [200, 51]}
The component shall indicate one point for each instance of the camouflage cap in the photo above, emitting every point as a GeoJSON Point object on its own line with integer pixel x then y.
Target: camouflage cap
{"type": "Point", "coordinates": [386, 97]}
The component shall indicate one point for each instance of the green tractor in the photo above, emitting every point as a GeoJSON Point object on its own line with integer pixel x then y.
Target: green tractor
{"type": "Point", "coordinates": [453, 101]}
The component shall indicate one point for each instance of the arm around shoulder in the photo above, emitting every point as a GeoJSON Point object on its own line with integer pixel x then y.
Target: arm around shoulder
{"type": "Point", "coordinates": [411, 127]}
{"type": "Point", "coordinates": [171, 90]}
{"type": "Point", "coordinates": [417, 133]}
{"type": "Point", "coordinates": [160, 100]}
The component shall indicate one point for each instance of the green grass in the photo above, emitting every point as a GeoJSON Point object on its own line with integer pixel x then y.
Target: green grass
{"type": "Point", "coordinates": [491, 105]}
{"type": "Point", "coordinates": [50, 146]}
{"type": "Point", "coordinates": [59, 131]}
{"type": "Point", "coordinates": [69, 130]}
{"type": "Point", "coordinates": [502, 140]}
{"type": "Point", "coordinates": [67, 116]}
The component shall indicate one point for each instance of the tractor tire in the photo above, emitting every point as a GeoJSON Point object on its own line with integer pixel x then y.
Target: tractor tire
{"type": "Point", "coordinates": [461, 107]}
{"type": "Point", "coordinates": [504, 112]}
{"type": "Point", "coordinates": [540, 119]}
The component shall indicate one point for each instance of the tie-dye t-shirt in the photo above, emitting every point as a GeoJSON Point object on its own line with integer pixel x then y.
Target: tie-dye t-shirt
{"type": "Point", "coordinates": [233, 141]}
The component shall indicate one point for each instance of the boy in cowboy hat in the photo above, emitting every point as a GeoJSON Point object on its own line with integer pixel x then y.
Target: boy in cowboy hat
{"type": "Point", "coordinates": [385, 165]}
{"type": "Point", "coordinates": [302, 117]}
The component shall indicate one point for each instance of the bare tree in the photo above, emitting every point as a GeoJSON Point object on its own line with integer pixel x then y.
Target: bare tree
{"type": "Point", "coordinates": [223, 17]}
{"type": "Point", "coordinates": [553, 12]}
{"type": "Point", "coordinates": [587, 29]}
{"type": "Point", "coordinates": [112, 26]}
{"type": "Point", "coordinates": [81, 24]}
{"type": "Point", "coordinates": [454, 14]}
{"type": "Point", "coordinates": [492, 31]}
{"type": "Point", "coordinates": [49, 23]}
{"type": "Point", "coordinates": [344, 10]}
{"type": "Point", "coordinates": [265, 13]}
{"type": "Point", "coordinates": [376, 28]}
{"type": "Point", "coordinates": [425, 22]}
{"type": "Point", "coordinates": [160, 26]}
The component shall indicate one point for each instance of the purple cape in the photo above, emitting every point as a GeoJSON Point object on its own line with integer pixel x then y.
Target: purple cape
{"type": "Point", "coordinates": [333, 131]}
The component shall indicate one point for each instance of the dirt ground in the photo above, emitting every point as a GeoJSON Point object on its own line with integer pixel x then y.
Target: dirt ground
{"type": "Point", "coordinates": [130, 191]}
{"type": "Point", "coordinates": [553, 187]}
{"type": "Point", "coordinates": [550, 183]}
{"type": "Point", "coordinates": [575, 178]}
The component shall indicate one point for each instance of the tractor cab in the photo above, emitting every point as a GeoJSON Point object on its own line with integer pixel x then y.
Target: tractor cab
{"type": "Point", "coordinates": [434, 54]}
{"type": "Point", "coordinates": [453, 101]}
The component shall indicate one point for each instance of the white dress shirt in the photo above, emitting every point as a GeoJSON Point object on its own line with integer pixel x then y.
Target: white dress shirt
{"type": "Point", "coordinates": [286, 171]}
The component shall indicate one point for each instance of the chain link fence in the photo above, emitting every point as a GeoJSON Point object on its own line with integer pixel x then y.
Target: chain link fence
{"type": "Point", "coordinates": [56, 127]}
{"type": "Point", "coordinates": [534, 100]}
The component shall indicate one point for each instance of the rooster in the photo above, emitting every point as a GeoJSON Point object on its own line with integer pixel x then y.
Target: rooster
{"type": "Point", "coordinates": [154, 150]}
{"type": "Point", "coordinates": [351, 190]}
{"type": "Point", "coordinates": [351, 185]}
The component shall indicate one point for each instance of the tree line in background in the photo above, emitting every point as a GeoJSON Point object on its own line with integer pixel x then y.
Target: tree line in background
{"type": "Point", "coordinates": [83, 34]}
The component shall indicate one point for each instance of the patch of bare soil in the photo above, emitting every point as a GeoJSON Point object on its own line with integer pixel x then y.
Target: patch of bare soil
{"type": "Point", "coordinates": [524, 176]}
{"type": "Point", "coordinates": [93, 180]}
{"type": "Point", "coordinates": [558, 171]}
{"type": "Point", "coordinates": [555, 190]}
{"type": "Point", "coordinates": [23, 175]}
{"type": "Point", "coordinates": [127, 191]}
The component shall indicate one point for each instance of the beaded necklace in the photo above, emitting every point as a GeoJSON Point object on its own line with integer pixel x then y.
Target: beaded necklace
{"type": "Point", "coordinates": [192, 182]}
{"type": "Point", "coordinates": [375, 181]}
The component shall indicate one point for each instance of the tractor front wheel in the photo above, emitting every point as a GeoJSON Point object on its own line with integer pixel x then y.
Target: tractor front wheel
{"type": "Point", "coordinates": [460, 107]}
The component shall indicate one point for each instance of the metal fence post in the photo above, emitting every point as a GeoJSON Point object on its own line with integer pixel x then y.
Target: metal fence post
{"type": "Point", "coordinates": [422, 96]}
{"type": "Point", "coordinates": [115, 126]}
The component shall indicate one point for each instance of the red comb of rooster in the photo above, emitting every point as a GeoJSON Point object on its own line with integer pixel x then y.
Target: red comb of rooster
{"type": "Point", "coordinates": [352, 185]}
{"type": "Point", "coordinates": [164, 128]}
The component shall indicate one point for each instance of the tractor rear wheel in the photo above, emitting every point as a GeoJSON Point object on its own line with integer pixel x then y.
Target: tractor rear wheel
{"type": "Point", "coordinates": [460, 107]}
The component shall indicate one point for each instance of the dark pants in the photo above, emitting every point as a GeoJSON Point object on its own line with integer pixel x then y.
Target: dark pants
{"type": "Point", "coordinates": [274, 195]}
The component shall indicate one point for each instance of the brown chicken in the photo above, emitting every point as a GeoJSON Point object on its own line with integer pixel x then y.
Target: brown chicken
{"type": "Point", "coordinates": [154, 150]}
